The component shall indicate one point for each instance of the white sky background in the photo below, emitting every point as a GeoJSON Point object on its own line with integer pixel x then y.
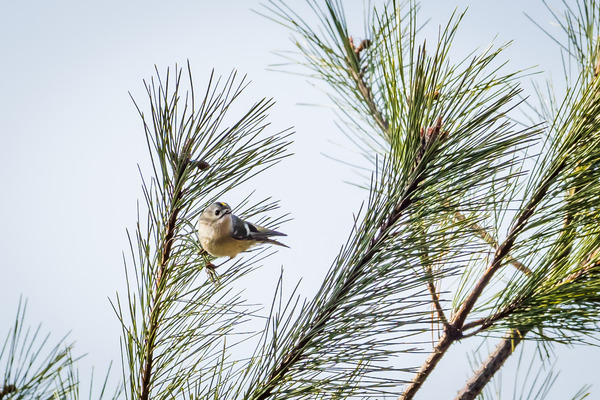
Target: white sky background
{"type": "Point", "coordinates": [72, 139]}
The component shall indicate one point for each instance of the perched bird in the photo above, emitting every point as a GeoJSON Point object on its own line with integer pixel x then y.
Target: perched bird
{"type": "Point", "coordinates": [222, 234]}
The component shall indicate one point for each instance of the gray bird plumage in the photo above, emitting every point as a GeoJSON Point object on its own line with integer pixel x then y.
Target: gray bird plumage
{"type": "Point", "coordinates": [222, 234]}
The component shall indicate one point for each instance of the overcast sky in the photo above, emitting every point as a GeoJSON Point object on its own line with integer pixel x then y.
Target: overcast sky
{"type": "Point", "coordinates": [72, 139]}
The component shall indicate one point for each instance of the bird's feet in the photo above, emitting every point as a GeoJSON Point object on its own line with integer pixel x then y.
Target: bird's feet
{"type": "Point", "coordinates": [212, 273]}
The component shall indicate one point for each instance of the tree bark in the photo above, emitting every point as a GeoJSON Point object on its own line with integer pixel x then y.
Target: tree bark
{"type": "Point", "coordinates": [496, 359]}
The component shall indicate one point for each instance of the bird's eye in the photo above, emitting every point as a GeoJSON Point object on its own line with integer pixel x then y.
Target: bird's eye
{"type": "Point", "coordinates": [217, 212]}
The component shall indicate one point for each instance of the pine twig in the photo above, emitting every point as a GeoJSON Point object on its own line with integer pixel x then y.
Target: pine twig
{"type": "Point", "coordinates": [485, 235]}
{"type": "Point", "coordinates": [494, 362]}
{"type": "Point", "coordinates": [507, 346]}
{"type": "Point", "coordinates": [451, 332]}
{"type": "Point", "coordinates": [146, 373]}
{"type": "Point", "coordinates": [454, 331]}
{"type": "Point", "coordinates": [367, 93]}
{"type": "Point", "coordinates": [6, 390]}
{"type": "Point", "coordinates": [436, 300]}
{"type": "Point", "coordinates": [384, 231]}
{"type": "Point", "coordinates": [365, 90]}
{"type": "Point", "coordinates": [485, 323]}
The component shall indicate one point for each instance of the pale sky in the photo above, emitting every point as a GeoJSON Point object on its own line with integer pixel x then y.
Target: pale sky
{"type": "Point", "coordinates": [72, 139]}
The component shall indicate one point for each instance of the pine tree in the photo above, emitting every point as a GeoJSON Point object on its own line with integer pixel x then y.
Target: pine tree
{"type": "Point", "coordinates": [474, 225]}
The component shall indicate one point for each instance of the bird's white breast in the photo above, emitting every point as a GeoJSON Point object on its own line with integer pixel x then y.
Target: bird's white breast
{"type": "Point", "coordinates": [217, 241]}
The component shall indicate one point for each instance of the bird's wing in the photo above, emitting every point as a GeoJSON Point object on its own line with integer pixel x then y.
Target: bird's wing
{"type": "Point", "coordinates": [243, 230]}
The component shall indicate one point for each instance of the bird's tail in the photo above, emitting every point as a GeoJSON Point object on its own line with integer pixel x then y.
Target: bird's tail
{"type": "Point", "coordinates": [263, 235]}
{"type": "Point", "coordinates": [264, 232]}
{"type": "Point", "coordinates": [272, 241]}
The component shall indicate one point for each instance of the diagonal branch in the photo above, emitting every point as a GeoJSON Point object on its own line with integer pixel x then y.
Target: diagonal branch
{"type": "Point", "coordinates": [332, 305]}
{"type": "Point", "coordinates": [454, 331]}
{"type": "Point", "coordinates": [507, 346]}
{"type": "Point", "coordinates": [486, 322]}
{"type": "Point", "coordinates": [504, 249]}
{"type": "Point", "coordinates": [505, 349]}
{"type": "Point", "coordinates": [357, 75]}
{"type": "Point", "coordinates": [489, 239]}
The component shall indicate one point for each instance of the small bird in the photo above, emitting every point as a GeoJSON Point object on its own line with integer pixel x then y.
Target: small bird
{"type": "Point", "coordinates": [222, 234]}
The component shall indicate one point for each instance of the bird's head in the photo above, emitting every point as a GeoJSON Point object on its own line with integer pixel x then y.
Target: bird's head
{"type": "Point", "coordinates": [215, 212]}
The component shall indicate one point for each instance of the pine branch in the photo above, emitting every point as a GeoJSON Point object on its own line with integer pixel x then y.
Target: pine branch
{"type": "Point", "coordinates": [435, 298]}
{"type": "Point", "coordinates": [31, 365]}
{"type": "Point", "coordinates": [146, 373]}
{"type": "Point", "coordinates": [503, 250]}
{"type": "Point", "coordinates": [317, 326]}
{"type": "Point", "coordinates": [427, 88]}
{"type": "Point", "coordinates": [454, 330]}
{"type": "Point", "coordinates": [177, 324]}
{"type": "Point", "coordinates": [357, 74]}
{"type": "Point", "coordinates": [353, 59]}
{"type": "Point", "coordinates": [496, 359]}
{"type": "Point", "coordinates": [506, 347]}
{"type": "Point", "coordinates": [568, 232]}
{"type": "Point", "coordinates": [489, 239]}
